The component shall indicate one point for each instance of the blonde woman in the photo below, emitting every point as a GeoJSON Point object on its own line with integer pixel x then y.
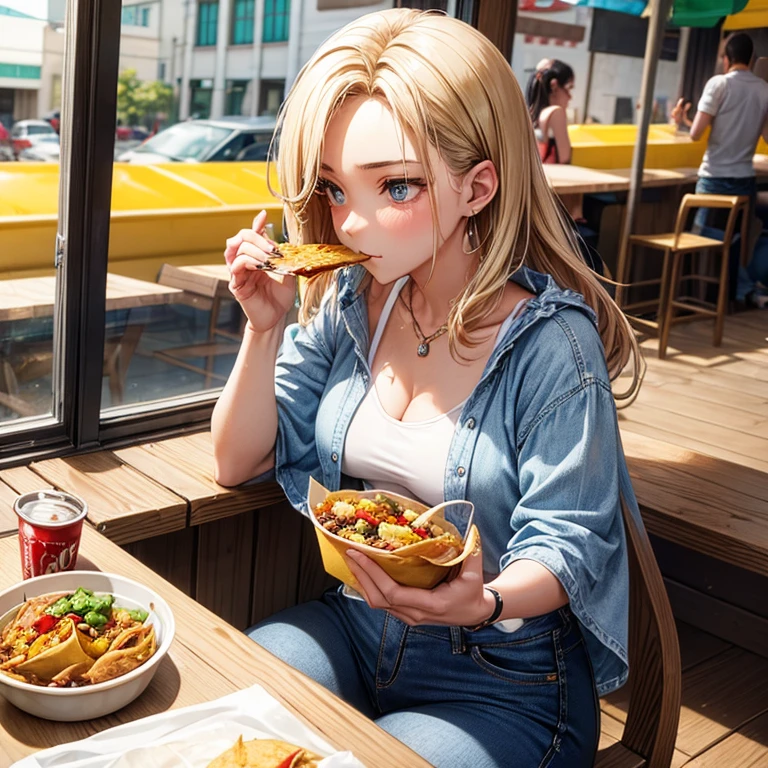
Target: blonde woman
{"type": "Point", "coordinates": [469, 358]}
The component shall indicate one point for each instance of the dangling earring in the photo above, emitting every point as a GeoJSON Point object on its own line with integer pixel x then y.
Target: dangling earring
{"type": "Point", "coordinates": [472, 236]}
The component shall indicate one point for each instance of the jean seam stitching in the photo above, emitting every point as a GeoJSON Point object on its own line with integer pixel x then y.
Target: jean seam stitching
{"type": "Point", "coordinates": [563, 686]}
{"type": "Point", "coordinates": [488, 668]}
{"type": "Point", "coordinates": [379, 660]}
{"type": "Point", "coordinates": [398, 663]}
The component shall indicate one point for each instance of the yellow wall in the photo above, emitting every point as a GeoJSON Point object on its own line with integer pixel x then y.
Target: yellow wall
{"type": "Point", "coordinates": [180, 213]}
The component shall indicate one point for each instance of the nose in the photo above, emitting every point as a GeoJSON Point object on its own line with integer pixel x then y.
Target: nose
{"type": "Point", "coordinates": [353, 224]}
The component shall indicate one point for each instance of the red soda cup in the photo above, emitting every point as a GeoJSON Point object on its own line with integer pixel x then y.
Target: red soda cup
{"type": "Point", "coordinates": [50, 524]}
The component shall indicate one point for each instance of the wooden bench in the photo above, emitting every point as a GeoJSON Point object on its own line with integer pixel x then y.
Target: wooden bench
{"type": "Point", "coordinates": [653, 709]}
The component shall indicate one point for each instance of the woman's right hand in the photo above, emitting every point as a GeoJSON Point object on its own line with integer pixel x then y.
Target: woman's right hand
{"type": "Point", "coordinates": [264, 296]}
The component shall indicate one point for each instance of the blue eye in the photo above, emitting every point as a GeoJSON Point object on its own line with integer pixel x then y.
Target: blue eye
{"type": "Point", "coordinates": [399, 192]}
{"type": "Point", "coordinates": [336, 195]}
{"type": "Point", "coordinates": [403, 190]}
{"type": "Point", "coordinates": [331, 191]}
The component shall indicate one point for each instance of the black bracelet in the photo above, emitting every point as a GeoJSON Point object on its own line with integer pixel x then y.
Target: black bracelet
{"type": "Point", "coordinates": [496, 611]}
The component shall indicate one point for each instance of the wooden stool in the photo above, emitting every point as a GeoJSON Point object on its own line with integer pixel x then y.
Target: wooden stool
{"type": "Point", "coordinates": [674, 246]}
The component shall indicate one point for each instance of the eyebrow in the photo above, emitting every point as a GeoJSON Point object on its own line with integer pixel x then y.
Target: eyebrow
{"type": "Point", "coordinates": [379, 164]}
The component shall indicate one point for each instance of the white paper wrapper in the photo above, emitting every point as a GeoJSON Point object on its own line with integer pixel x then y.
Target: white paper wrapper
{"type": "Point", "coordinates": [191, 737]}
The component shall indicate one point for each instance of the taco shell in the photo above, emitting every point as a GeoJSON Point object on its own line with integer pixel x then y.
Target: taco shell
{"type": "Point", "coordinates": [118, 660]}
{"type": "Point", "coordinates": [423, 564]}
{"type": "Point", "coordinates": [265, 753]}
{"type": "Point", "coordinates": [49, 663]}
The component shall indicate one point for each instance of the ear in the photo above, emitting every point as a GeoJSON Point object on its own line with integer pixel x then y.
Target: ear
{"type": "Point", "coordinates": [479, 187]}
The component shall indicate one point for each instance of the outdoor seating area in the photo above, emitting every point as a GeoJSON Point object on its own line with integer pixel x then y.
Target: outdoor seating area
{"type": "Point", "coordinates": [535, 512]}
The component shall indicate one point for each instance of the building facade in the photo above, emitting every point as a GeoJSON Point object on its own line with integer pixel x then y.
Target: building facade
{"type": "Point", "coordinates": [21, 65]}
{"type": "Point", "coordinates": [237, 57]}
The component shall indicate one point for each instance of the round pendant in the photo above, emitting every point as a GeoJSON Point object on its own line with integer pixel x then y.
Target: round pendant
{"type": "Point", "coordinates": [423, 349]}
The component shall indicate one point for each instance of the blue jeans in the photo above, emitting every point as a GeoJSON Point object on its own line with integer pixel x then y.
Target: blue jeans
{"type": "Point", "coordinates": [710, 222]}
{"type": "Point", "coordinates": [458, 698]}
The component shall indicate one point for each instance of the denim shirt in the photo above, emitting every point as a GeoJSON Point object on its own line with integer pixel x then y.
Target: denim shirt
{"type": "Point", "coordinates": [536, 448]}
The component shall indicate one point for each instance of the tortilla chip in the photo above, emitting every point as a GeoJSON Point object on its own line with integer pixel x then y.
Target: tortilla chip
{"type": "Point", "coordinates": [49, 663]}
{"type": "Point", "coordinates": [265, 753]}
{"type": "Point", "coordinates": [311, 259]}
{"type": "Point", "coordinates": [120, 660]}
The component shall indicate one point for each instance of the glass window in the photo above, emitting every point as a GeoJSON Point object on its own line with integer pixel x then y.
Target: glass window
{"type": "Point", "coordinates": [202, 96]}
{"type": "Point", "coordinates": [276, 20]}
{"type": "Point", "coordinates": [271, 96]}
{"type": "Point", "coordinates": [242, 23]}
{"type": "Point", "coordinates": [207, 22]}
{"type": "Point", "coordinates": [236, 90]}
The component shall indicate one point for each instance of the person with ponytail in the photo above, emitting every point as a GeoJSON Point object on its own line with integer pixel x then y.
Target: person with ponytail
{"type": "Point", "coordinates": [548, 95]}
{"type": "Point", "coordinates": [470, 357]}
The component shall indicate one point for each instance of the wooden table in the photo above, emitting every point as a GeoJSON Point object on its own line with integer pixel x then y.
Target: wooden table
{"type": "Point", "coordinates": [29, 297]}
{"type": "Point", "coordinates": [576, 180]}
{"type": "Point", "coordinates": [208, 659]}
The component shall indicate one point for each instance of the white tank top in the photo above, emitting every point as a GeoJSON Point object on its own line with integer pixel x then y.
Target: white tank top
{"type": "Point", "coordinates": [406, 457]}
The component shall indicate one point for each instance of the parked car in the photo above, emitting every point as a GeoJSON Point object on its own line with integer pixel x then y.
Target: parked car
{"type": "Point", "coordinates": [204, 140]}
{"type": "Point", "coordinates": [45, 149]}
{"type": "Point", "coordinates": [26, 132]}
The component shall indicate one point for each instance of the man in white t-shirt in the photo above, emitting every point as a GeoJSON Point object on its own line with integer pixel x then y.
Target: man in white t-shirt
{"type": "Point", "coordinates": [735, 105]}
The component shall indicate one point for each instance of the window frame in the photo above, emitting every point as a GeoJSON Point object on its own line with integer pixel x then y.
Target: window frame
{"type": "Point", "coordinates": [247, 19]}
{"type": "Point", "coordinates": [209, 4]}
{"type": "Point", "coordinates": [271, 15]}
{"type": "Point", "coordinates": [89, 104]}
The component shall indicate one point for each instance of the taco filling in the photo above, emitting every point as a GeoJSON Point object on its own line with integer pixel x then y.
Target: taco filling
{"type": "Point", "coordinates": [71, 640]}
{"type": "Point", "coordinates": [380, 522]}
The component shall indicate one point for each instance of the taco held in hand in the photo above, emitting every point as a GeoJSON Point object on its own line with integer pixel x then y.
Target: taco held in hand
{"type": "Point", "coordinates": [72, 640]}
{"type": "Point", "coordinates": [416, 545]}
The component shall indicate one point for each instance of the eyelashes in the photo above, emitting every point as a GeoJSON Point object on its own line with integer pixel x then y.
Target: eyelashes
{"type": "Point", "coordinates": [400, 190]}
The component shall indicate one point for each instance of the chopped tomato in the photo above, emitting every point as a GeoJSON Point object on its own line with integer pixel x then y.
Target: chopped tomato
{"type": "Point", "coordinates": [45, 623]}
{"type": "Point", "coordinates": [421, 532]}
{"type": "Point", "coordinates": [370, 519]}
{"type": "Point", "coordinates": [288, 762]}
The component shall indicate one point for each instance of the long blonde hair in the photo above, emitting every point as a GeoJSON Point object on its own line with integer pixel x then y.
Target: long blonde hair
{"type": "Point", "coordinates": [469, 106]}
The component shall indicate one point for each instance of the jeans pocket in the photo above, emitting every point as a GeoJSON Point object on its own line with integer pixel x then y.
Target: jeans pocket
{"type": "Point", "coordinates": [522, 663]}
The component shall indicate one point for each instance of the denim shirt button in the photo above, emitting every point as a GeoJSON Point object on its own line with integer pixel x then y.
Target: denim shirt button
{"type": "Point", "coordinates": [334, 457]}
{"type": "Point", "coordinates": [470, 423]}
{"type": "Point", "coordinates": [460, 471]}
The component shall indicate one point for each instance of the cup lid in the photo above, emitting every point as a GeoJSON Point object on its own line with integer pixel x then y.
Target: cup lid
{"type": "Point", "coordinates": [48, 508]}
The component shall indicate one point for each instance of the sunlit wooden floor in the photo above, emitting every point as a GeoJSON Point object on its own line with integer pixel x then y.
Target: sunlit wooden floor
{"type": "Point", "coordinates": [724, 712]}
{"type": "Point", "coordinates": [713, 400]}
{"type": "Point", "coordinates": [713, 403]}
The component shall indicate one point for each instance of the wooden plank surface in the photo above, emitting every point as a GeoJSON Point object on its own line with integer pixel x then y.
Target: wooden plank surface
{"type": "Point", "coordinates": [719, 696]}
{"type": "Point", "coordinates": [278, 540]}
{"type": "Point", "coordinates": [14, 482]}
{"type": "Point", "coordinates": [710, 505]}
{"type": "Point", "coordinates": [224, 562]}
{"type": "Point", "coordinates": [208, 659]}
{"type": "Point", "coordinates": [710, 400]}
{"type": "Point", "coordinates": [8, 519]}
{"type": "Point", "coordinates": [172, 556]}
{"type": "Point", "coordinates": [122, 503]}
{"type": "Point", "coordinates": [746, 748]}
{"type": "Point", "coordinates": [29, 297]}
{"type": "Point", "coordinates": [185, 466]}
{"type": "Point", "coordinates": [209, 280]}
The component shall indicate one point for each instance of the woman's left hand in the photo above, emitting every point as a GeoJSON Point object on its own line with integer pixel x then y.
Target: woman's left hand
{"type": "Point", "coordinates": [460, 602]}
